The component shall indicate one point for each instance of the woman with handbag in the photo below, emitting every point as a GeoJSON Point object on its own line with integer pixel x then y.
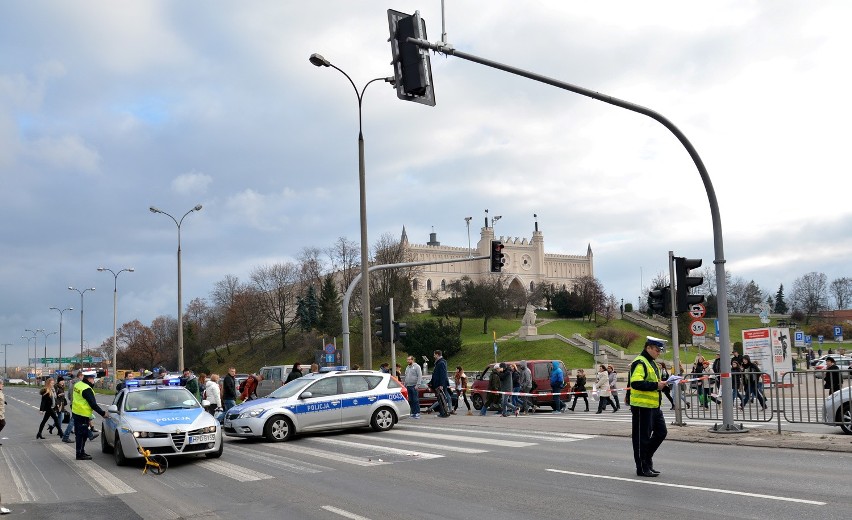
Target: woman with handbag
{"type": "Point", "coordinates": [61, 404]}
{"type": "Point", "coordinates": [604, 392]}
{"type": "Point", "coordinates": [579, 389]}
{"type": "Point", "coordinates": [48, 406]}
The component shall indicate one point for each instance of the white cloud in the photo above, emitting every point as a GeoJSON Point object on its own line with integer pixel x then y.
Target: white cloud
{"type": "Point", "coordinates": [192, 183]}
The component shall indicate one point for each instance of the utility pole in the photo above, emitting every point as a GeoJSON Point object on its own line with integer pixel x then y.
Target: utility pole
{"type": "Point", "coordinates": [5, 364]}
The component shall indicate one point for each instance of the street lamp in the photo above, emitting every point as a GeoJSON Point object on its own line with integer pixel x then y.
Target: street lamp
{"type": "Point", "coordinates": [467, 221]}
{"type": "Point", "coordinates": [114, 309]}
{"type": "Point", "coordinates": [45, 345]}
{"type": "Point", "coordinates": [5, 363]}
{"type": "Point", "coordinates": [35, 349]}
{"type": "Point", "coordinates": [28, 351]}
{"type": "Point", "coordinates": [84, 291]}
{"type": "Point", "coordinates": [61, 312]}
{"type": "Point", "coordinates": [319, 61]}
{"type": "Point", "coordinates": [179, 302]}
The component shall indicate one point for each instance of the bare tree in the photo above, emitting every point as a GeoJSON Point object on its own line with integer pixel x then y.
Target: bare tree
{"type": "Point", "coordinates": [345, 260]}
{"type": "Point", "coordinates": [810, 294]}
{"type": "Point", "coordinates": [224, 295]}
{"type": "Point", "coordinates": [591, 293]}
{"type": "Point", "coordinates": [276, 285]}
{"type": "Point", "coordinates": [311, 267]}
{"type": "Point", "coordinates": [247, 313]}
{"type": "Point", "coordinates": [163, 349]}
{"type": "Point", "coordinates": [841, 291]}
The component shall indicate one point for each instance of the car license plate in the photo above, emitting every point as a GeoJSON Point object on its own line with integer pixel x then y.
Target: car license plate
{"type": "Point", "coordinates": [197, 439]}
{"type": "Point", "coordinates": [428, 394]}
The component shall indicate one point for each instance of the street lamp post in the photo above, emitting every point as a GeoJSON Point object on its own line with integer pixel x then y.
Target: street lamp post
{"type": "Point", "coordinates": [28, 351]}
{"type": "Point", "coordinates": [45, 344]}
{"type": "Point", "coordinates": [179, 301]}
{"type": "Point", "coordinates": [319, 61]}
{"type": "Point", "coordinates": [84, 291]}
{"type": "Point", "coordinates": [114, 314]}
{"type": "Point", "coordinates": [35, 350]}
{"type": "Point", "coordinates": [61, 312]}
{"type": "Point", "coordinates": [5, 363]}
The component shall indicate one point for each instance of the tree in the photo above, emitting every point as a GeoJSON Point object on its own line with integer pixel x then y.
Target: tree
{"type": "Point", "coordinates": [163, 349]}
{"type": "Point", "coordinates": [247, 314]}
{"type": "Point", "coordinates": [430, 335]}
{"type": "Point", "coordinates": [485, 299]}
{"type": "Point", "coordinates": [310, 266]}
{"type": "Point", "coordinates": [453, 306]}
{"type": "Point", "coordinates": [135, 340]}
{"type": "Point", "coordinates": [223, 296]}
{"type": "Point", "coordinates": [780, 306]}
{"type": "Point", "coordinates": [307, 310]}
{"type": "Point", "coordinates": [276, 285]}
{"type": "Point", "coordinates": [329, 308]}
{"type": "Point", "coordinates": [568, 304]}
{"type": "Point", "coordinates": [841, 291]}
{"type": "Point", "coordinates": [345, 259]}
{"type": "Point", "coordinates": [810, 294]}
{"type": "Point", "coordinates": [393, 283]}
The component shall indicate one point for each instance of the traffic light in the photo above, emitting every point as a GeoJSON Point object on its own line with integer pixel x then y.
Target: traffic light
{"type": "Point", "coordinates": [660, 301]}
{"type": "Point", "coordinates": [412, 68]}
{"type": "Point", "coordinates": [383, 322]}
{"type": "Point", "coordinates": [399, 331]}
{"type": "Point", "coordinates": [498, 259]}
{"type": "Point", "coordinates": [685, 283]}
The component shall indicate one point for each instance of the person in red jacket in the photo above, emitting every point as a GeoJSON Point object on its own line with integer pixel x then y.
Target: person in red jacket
{"type": "Point", "coordinates": [249, 391]}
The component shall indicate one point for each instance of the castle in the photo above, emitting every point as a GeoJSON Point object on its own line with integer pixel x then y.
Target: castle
{"type": "Point", "coordinates": [526, 265]}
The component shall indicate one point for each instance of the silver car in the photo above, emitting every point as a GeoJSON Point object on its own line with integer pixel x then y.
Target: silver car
{"type": "Point", "coordinates": [163, 418]}
{"type": "Point", "coordinates": [323, 401]}
{"type": "Point", "coordinates": [837, 409]}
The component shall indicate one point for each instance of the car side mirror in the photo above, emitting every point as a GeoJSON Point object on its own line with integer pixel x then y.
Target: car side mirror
{"type": "Point", "coordinates": [306, 395]}
{"type": "Point", "coordinates": [112, 408]}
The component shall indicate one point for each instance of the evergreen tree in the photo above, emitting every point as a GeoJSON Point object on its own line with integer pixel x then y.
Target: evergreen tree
{"type": "Point", "coordinates": [307, 310]}
{"type": "Point", "coordinates": [780, 306]}
{"type": "Point", "coordinates": [329, 308]}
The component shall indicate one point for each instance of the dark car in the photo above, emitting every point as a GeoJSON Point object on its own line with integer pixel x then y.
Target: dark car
{"type": "Point", "coordinates": [426, 395]}
{"type": "Point", "coordinates": [540, 370]}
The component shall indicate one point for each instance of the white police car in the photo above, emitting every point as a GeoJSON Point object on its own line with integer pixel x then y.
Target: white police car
{"type": "Point", "coordinates": [160, 416]}
{"type": "Point", "coordinates": [324, 401]}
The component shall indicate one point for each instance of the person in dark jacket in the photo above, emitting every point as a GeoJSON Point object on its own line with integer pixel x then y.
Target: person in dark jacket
{"type": "Point", "coordinates": [579, 389]}
{"type": "Point", "coordinates": [751, 383]}
{"type": "Point", "coordinates": [440, 381]}
{"type": "Point", "coordinates": [229, 390]}
{"type": "Point", "coordinates": [832, 376]}
{"type": "Point", "coordinates": [505, 390]}
{"type": "Point", "coordinates": [296, 373]}
{"type": "Point", "coordinates": [191, 384]}
{"type": "Point", "coordinates": [557, 383]}
{"type": "Point", "coordinates": [493, 395]}
{"type": "Point", "coordinates": [48, 406]}
{"type": "Point", "coordinates": [82, 405]}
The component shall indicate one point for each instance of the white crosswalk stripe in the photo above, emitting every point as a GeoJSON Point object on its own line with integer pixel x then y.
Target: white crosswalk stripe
{"type": "Point", "coordinates": [338, 457]}
{"type": "Point", "coordinates": [535, 435]}
{"type": "Point", "coordinates": [277, 461]}
{"type": "Point", "coordinates": [103, 482]}
{"type": "Point", "coordinates": [439, 447]}
{"type": "Point", "coordinates": [372, 448]}
{"type": "Point", "coordinates": [466, 438]}
{"type": "Point", "coordinates": [233, 471]}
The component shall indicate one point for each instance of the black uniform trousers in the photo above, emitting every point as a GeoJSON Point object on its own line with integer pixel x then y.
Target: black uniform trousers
{"type": "Point", "coordinates": [81, 432]}
{"type": "Point", "coordinates": [649, 431]}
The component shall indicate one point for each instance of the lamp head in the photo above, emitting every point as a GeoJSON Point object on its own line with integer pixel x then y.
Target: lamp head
{"type": "Point", "coordinates": [197, 207]}
{"type": "Point", "coordinates": [152, 209]}
{"type": "Point", "coordinates": [319, 61]}
{"type": "Point", "coordinates": [101, 269]}
{"type": "Point", "coordinates": [498, 217]}
{"type": "Point", "coordinates": [130, 269]}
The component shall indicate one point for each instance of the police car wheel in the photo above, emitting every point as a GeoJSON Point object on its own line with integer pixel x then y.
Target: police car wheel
{"type": "Point", "coordinates": [118, 454]}
{"type": "Point", "coordinates": [278, 429]}
{"type": "Point", "coordinates": [383, 420]}
{"type": "Point", "coordinates": [105, 447]}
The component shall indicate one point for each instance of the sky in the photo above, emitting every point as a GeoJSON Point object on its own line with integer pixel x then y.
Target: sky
{"type": "Point", "coordinates": [107, 108]}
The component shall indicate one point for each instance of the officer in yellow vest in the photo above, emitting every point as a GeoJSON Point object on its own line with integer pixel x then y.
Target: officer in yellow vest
{"type": "Point", "coordinates": [649, 426]}
{"type": "Point", "coordinates": [82, 405]}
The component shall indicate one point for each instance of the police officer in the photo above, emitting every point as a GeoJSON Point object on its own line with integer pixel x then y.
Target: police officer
{"type": "Point", "coordinates": [82, 405]}
{"type": "Point", "coordinates": [649, 426]}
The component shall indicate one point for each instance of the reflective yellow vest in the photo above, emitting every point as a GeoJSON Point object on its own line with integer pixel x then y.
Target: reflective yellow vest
{"type": "Point", "coordinates": [645, 398]}
{"type": "Point", "coordinates": [79, 405]}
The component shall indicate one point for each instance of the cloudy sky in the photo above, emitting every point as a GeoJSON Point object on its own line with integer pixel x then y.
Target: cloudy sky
{"type": "Point", "coordinates": [107, 108]}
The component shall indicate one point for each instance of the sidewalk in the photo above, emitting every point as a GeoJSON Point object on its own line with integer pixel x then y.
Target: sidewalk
{"type": "Point", "coordinates": [619, 425]}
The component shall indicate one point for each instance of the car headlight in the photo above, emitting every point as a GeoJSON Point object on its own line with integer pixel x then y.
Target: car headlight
{"type": "Point", "coordinates": [209, 429]}
{"type": "Point", "coordinates": [143, 434]}
{"type": "Point", "coordinates": [255, 412]}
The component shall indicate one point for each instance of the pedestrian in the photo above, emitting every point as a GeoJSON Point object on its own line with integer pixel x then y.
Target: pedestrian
{"type": "Point", "coordinates": [751, 379]}
{"type": "Point", "coordinates": [604, 391]}
{"type": "Point", "coordinates": [832, 376]}
{"type": "Point", "coordinates": [295, 373]}
{"type": "Point", "coordinates": [250, 389]}
{"type": "Point", "coordinates": [717, 365]}
{"type": "Point", "coordinates": [516, 385]}
{"type": "Point", "coordinates": [413, 374]}
{"type": "Point", "coordinates": [579, 389]}
{"type": "Point", "coordinates": [492, 397]}
{"type": "Point", "coordinates": [648, 425]}
{"type": "Point", "coordinates": [398, 372]}
{"type": "Point", "coordinates": [557, 383]}
{"type": "Point", "coordinates": [384, 368]}
{"type": "Point", "coordinates": [2, 408]}
{"type": "Point", "coordinates": [526, 388]}
{"type": "Point", "coordinates": [667, 390]}
{"type": "Point", "coordinates": [736, 382]}
{"type": "Point", "coordinates": [82, 405]}
{"type": "Point", "coordinates": [505, 389]}
{"type": "Point", "coordinates": [61, 405]}
{"type": "Point", "coordinates": [229, 390]}
{"type": "Point", "coordinates": [314, 368]}
{"type": "Point", "coordinates": [69, 396]}
{"type": "Point", "coordinates": [191, 384]}
{"type": "Point", "coordinates": [460, 379]}
{"type": "Point", "coordinates": [212, 394]}
{"type": "Point", "coordinates": [440, 382]}
{"type": "Point", "coordinates": [613, 379]}
{"type": "Point", "coordinates": [48, 406]}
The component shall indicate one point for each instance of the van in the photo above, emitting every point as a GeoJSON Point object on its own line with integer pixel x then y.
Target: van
{"type": "Point", "coordinates": [273, 377]}
{"type": "Point", "coordinates": [540, 370]}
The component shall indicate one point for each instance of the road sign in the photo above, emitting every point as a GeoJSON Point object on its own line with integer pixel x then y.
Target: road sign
{"type": "Point", "coordinates": [329, 358]}
{"type": "Point", "coordinates": [800, 336]}
{"type": "Point", "coordinates": [820, 338]}
{"type": "Point", "coordinates": [808, 339]}
{"type": "Point", "coordinates": [698, 328]}
{"type": "Point", "coordinates": [697, 310]}
{"type": "Point", "coordinates": [838, 333]}
{"type": "Point", "coordinates": [329, 349]}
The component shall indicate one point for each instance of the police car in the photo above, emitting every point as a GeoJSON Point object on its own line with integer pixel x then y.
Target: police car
{"type": "Point", "coordinates": [160, 416]}
{"type": "Point", "coordinates": [324, 401]}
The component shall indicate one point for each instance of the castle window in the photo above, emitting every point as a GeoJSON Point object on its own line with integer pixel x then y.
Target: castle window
{"type": "Point", "coordinates": [532, 286]}
{"type": "Point", "coordinates": [443, 285]}
{"type": "Point", "coordinates": [414, 285]}
{"type": "Point", "coordinates": [429, 285]}
{"type": "Point", "coordinates": [429, 304]}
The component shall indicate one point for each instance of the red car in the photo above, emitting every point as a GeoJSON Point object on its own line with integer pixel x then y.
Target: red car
{"type": "Point", "coordinates": [426, 395]}
{"type": "Point", "coordinates": [540, 370]}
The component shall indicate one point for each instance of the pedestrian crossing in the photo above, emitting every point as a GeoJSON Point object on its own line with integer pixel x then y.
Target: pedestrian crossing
{"type": "Point", "coordinates": [250, 461]}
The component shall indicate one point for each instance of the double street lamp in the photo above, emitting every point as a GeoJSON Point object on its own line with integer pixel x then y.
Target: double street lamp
{"type": "Point", "coordinates": [179, 301]}
{"type": "Point", "coordinates": [114, 314]}
{"type": "Point", "coordinates": [319, 61]}
{"type": "Point", "coordinates": [84, 291]}
{"type": "Point", "coordinates": [45, 345]}
{"type": "Point", "coordinates": [28, 338]}
{"type": "Point", "coordinates": [61, 312]}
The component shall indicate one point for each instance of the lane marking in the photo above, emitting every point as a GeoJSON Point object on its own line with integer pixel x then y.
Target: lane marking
{"type": "Point", "coordinates": [344, 513]}
{"type": "Point", "coordinates": [278, 461]}
{"type": "Point", "coordinates": [103, 482]}
{"type": "Point", "coordinates": [538, 435]}
{"type": "Point", "coordinates": [381, 449]}
{"type": "Point", "coordinates": [15, 472]}
{"type": "Point", "coordinates": [696, 488]}
{"type": "Point", "coordinates": [339, 457]}
{"type": "Point", "coordinates": [462, 438]}
{"type": "Point", "coordinates": [448, 447]}
{"type": "Point", "coordinates": [233, 471]}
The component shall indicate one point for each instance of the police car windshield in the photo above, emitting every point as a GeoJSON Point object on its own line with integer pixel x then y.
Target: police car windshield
{"type": "Point", "coordinates": [292, 388]}
{"type": "Point", "coordinates": [160, 399]}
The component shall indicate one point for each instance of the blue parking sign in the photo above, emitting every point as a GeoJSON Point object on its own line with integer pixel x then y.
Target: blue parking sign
{"type": "Point", "coordinates": [838, 331]}
{"type": "Point", "coordinates": [800, 336]}
{"type": "Point", "coordinates": [808, 339]}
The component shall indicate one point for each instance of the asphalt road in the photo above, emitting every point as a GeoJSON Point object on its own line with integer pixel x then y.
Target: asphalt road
{"type": "Point", "coordinates": [547, 466]}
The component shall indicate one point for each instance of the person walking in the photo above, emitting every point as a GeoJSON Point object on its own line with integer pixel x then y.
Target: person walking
{"type": "Point", "coordinates": [526, 388]}
{"type": "Point", "coordinates": [505, 390]}
{"type": "Point", "coordinates": [461, 388]}
{"type": "Point", "coordinates": [191, 384]}
{"type": "Point", "coordinates": [250, 389]}
{"type": "Point", "coordinates": [831, 375]}
{"type": "Point", "coordinates": [229, 390]}
{"type": "Point", "coordinates": [48, 406]}
{"type": "Point", "coordinates": [295, 373]}
{"type": "Point", "coordinates": [61, 404]}
{"type": "Point", "coordinates": [69, 396]}
{"type": "Point", "coordinates": [557, 383]}
{"type": "Point", "coordinates": [492, 396]}
{"type": "Point", "coordinates": [82, 405]}
{"type": "Point", "coordinates": [604, 392]}
{"type": "Point", "coordinates": [751, 377]}
{"type": "Point", "coordinates": [413, 374]}
{"type": "Point", "coordinates": [212, 393]}
{"type": "Point", "coordinates": [516, 385]}
{"type": "Point", "coordinates": [2, 408]}
{"type": "Point", "coordinates": [579, 389]}
{"type": "Point", "coordinates": [440, 382]}
{"type": "Point", "coordinates": [613, 387]}
{"type": "Point", "coordinates": [648, 425]}
{"type": "Point", "coordinates": [667, 390]}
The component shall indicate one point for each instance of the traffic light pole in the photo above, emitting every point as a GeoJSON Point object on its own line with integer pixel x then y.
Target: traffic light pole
{"type": "Point", "coordinates": [675, 345]}
{"type": "Point", "coordinates": [727, 425]}
{"type": "Point", "coordinates": [368, 362]}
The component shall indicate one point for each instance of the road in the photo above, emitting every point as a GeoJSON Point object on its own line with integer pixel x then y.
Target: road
{"type": "Point", "coordinates": [461, 467]}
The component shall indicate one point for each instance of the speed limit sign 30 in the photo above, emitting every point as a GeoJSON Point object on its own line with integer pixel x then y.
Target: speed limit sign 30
{"type": "Point", "coordinates": [698, 328]}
